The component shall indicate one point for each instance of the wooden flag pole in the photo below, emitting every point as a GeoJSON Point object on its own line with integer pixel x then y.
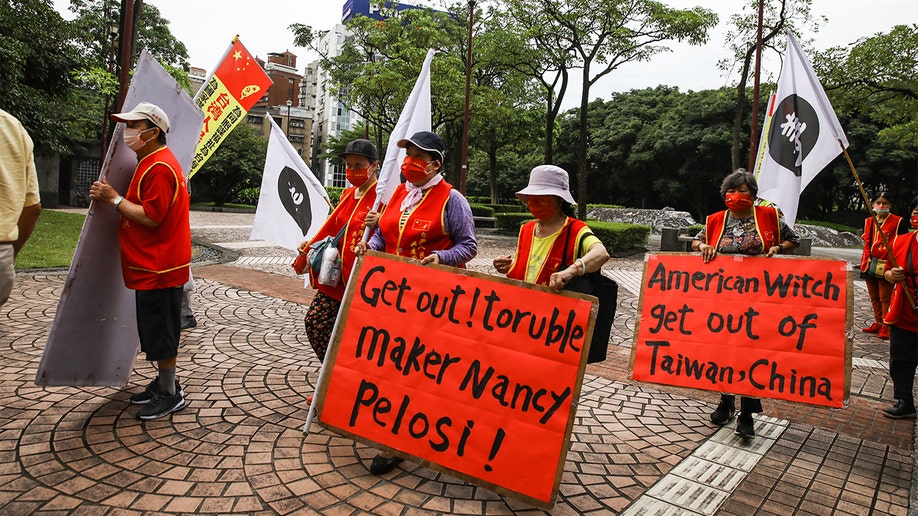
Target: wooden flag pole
{"type": "Point", "coordinates": [873, 215]}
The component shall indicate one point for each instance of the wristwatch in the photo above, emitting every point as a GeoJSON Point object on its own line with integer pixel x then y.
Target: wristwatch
{"type": "Point", "coordinates": [117, 201]}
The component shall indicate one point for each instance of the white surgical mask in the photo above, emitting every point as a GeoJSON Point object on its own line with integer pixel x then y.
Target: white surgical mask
{"type": "Point", "coordinates": [132, 138]}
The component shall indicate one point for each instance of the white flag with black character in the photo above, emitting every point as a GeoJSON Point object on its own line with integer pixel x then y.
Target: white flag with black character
{"type": "Point", "coordinates": [804, 137]}
{"type": "Point", "coordinates": [292, 204]}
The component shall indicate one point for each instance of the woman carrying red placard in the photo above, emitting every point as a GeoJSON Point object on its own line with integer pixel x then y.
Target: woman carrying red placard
{"type": "Point", "coordinates": [742, 229]}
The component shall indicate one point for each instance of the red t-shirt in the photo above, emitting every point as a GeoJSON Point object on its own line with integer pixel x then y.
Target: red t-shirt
{"type": "Point", "coordinates": [157, 258]}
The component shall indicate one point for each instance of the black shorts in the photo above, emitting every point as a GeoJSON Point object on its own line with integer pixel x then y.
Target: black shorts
{"type": "Point", "coordinates": [159, 315]}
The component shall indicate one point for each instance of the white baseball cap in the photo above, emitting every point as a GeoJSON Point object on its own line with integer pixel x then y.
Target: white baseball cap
{"type": "Point", "coordinates": [145, 111]}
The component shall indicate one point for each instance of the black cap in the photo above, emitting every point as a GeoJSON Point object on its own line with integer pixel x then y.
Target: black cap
{"type": "Point", "coordinates": [361, 147]}
{"type": "Point", "coordinates": [426, 141]}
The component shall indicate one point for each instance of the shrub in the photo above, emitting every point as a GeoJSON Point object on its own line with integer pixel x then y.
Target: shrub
{"type": "Point", "coordinates": [619, 236]}
{"type": "Point", "coordinates": [248, 196]}
{"type": "Point", "coordinates": [693, 230]}
{"type": "Point", "coordinates": [334, 194]}
{"type": "Point", "coordinates": [480, 210]}
{"type": "Point", "coordinates": [507, 208]}
{"type": "Point", "coordinates": [616, 236]}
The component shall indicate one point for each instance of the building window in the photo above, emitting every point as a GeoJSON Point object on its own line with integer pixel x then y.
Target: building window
{"type": "Point", "coordinates": [338, 178]}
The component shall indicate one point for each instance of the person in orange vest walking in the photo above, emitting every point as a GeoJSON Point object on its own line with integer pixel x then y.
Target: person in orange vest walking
{"type": "Point", "coordinates": [426, 219]}
{"type": "Point", "coordinates": [875, 256]}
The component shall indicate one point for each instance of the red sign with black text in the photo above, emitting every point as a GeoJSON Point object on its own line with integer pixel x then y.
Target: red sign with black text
{"type": "Point", "coordinates": [475, 375]}
{"type": "Point", "coordinates": [761, 327]}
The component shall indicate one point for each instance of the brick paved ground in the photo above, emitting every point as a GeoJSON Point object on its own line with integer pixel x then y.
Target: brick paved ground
{"type": "Point", "coordinates": [247, 367]}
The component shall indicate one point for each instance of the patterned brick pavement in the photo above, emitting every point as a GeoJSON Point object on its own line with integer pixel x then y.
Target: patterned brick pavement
{"type": "Point", "coordinates": [238, 447]}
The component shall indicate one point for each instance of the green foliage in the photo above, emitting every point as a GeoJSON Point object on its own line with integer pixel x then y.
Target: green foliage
{"type": "Point", "coordinates": [480, 210]}
{"type": "Point", "coordinates": [53, 242]}
{"type": "Point", "coordinates": [248, 196]}
{"type": "Point", "coordinates": [334, 194]}
{"type": "Point", "coordinates": [618, 236]}
{"type": "Point", "coordinates": [235, 166]}
{"type": "Point", "coordinates": [511, 222]}
{"type": "Point", "coordinates": [878, 76]}
{"type": "Point", "coordinates": [654, 147]}
{"type": "Point", "coordinates": [508, 208]}
{"type": "Point", "coordinates": [37, 61]}
{"type": "Point", "coordinates": [693, 229]}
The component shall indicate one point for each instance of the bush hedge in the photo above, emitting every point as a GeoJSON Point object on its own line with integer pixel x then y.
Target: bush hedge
{"type": "Point", "coordinates": [616, 236]}
{"type": "Point", "coordinates": [480, 210]}
{"type": "Point", "coordinates": [507, 208]}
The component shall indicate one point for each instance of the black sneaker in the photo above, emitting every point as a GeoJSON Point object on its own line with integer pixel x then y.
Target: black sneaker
{"type": "Point", "coordinates": [723, 413]}
{"type": "Point", "coordinates": [382, 465]}
{"type": "Point", "coordinates": [142, 398]}
{"type": "Point", "coordinates": [900, 410]}
{"type": "Point", "coordinates": [161, 405]}
{"type": "Point", "coordinates": [188, 321]}
{"type": "Point", "coordinates": [744, 426]}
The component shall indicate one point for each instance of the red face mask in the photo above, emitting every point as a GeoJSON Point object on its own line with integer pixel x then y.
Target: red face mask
{"type": "Point", "coordinates": [357, 176]}
{"type": "Point", "coordinates": [540, 206]}
{"type": "Point", "coordinates": [738, 201]}
{"type": "Point", "coordinates": [414, 169]}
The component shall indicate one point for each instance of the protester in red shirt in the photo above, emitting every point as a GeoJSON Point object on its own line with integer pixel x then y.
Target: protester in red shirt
{"type": "Point", "coordinates": [155, 237]}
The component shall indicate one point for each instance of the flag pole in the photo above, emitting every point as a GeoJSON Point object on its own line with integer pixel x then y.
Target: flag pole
{"type": "Point", "coordinates": [222, 58]}
{"type": "Point", "coordinates": [753, 137]}
{"type": "Point", "coordinates": [873, 215]}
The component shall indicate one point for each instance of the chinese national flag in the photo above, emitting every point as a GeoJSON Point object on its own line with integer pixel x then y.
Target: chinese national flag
{"type": "Point", "coordinates": [236, 85]}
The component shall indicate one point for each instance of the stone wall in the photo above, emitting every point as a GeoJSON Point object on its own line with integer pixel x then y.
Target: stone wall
{"type": "Point", "coordinates": [670, 218]}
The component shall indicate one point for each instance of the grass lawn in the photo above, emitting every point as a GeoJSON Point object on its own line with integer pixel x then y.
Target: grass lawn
{"type": "Point", "coordinates": [53, 242]}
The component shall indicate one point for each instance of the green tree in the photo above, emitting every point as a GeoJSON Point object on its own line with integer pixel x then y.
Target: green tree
{"type": "Point", "coordinates": [37, 66]}
{"type": "Point", "coordinates": [877, 76]}
{"type": "Point", "coordinates": [777, 17]}
{"type": "Point", "coordinates": [236, 165]}
{"type": "Point", "coordinates": [608, 33]}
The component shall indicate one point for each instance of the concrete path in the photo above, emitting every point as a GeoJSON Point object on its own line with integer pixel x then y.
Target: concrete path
{"type": "Point", "coordinates": [247, 368]}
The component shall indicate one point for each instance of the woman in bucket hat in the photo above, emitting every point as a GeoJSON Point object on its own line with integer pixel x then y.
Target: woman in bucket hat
{"type": "Point", "coordinates": [555, 238]}
{"type": "Point", "coordinates": [361, 165]}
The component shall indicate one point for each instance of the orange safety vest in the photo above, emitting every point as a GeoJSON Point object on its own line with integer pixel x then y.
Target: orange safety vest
{"type": "Point", "coordinates": [556, 255]}
{"type": "Point", "coordinates": [424, 231]}
{"type": "Point", "coordinates": [350, 212]}
{"type": "Point", "coordinates": [767, 225]}
{"type": "Point", "coordinates": [160, 257]}
{"type": "Point", "coordinates": [900, 314]}
{"type": "Point", "coordinates": [873, 243]}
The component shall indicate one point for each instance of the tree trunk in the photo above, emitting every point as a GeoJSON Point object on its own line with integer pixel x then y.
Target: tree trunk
{"type": "Point", "coordinates": [582, 165]}
{"type": "Point", "coordinates": [740, 105]}
{"type": "Point", "coordinates": [492, 173]}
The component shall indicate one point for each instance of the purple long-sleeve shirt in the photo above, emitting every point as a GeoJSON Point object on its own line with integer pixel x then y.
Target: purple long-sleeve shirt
{"type": "Point", "coordinates": [459, 224]}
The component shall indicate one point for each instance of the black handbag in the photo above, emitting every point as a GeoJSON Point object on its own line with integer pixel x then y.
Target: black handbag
{"type": "Point", "coordinates": [603, 288]}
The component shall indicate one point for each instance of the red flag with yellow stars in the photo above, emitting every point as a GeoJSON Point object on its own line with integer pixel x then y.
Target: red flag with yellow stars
{"type": "Point", "coordinates": [236, 85]}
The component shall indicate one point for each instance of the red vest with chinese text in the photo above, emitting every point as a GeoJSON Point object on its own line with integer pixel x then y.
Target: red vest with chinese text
{"type": "Point", "coordinates": [424, 231]}
{"type": "Point", "coordinates": [350, 212]}
{"type": "Point", "coordinates": [767, 225]}
{"type": "Point", "coordinates": [873, 242]}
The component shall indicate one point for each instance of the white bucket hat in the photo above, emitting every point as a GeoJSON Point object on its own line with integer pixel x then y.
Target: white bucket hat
{"type": "Point", "coordinates": [547, 180]}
